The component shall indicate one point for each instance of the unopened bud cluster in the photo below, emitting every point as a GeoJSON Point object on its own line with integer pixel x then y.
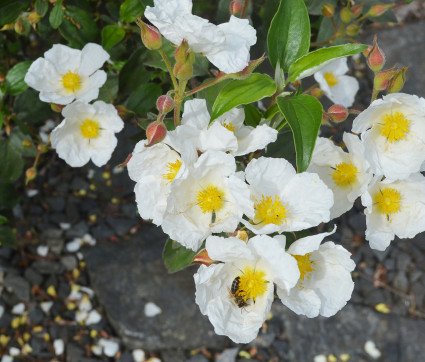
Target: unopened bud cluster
{"type": "Point", "coordinates": [185, 57]}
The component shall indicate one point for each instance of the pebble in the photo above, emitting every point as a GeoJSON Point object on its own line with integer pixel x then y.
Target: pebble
{"type": "Point", "coordinates": [47, 267]}
{"type": "Point", "coordinates": [36, 315]}
{"type": "Point", "coordinates": [138, 355]}
{"type": "Point", "coordinates": [403, 260]}
{"type": "Point", "coordinates": [228, 355]}
{"type": "Point", "coordinates": [371, 350]}
{"type": "Point", "coordinates": [45, 306]}
{"type": "Point", "coordinates": [19, 286]}
{"type": "Point", "coordinates": [400, 281]}
{"type": "Point", "coordinates": [93, 318]}
{"type": "Point", "coordinates": [110, 347]}
{"type": "Point", "coordinates": [18, 309]}
{"type": "Point", "coordinates": [59, 347]}
{"type": "Point", "coordinates": [69, 262]}
{"type": "Point", "coordinates": [152, 310]}
{"type": "Point", "coordinates": [42, 250]}
{"type": "Point", "coordinates": [1, 311]}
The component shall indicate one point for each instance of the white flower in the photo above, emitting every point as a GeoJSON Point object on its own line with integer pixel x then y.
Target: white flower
{"type": "Point", "coordinates": [65, 74]}
{"type": "Point", "coordinates": [346, 174]}
{"type": "Point", "coordinates": [338, 87]}
{"type": "Point", "coordinates": [325, 284]}
{"type": "Point", "coordinates": [154, 169]}
{"type": "Point", "coordinates": [237, 294]}
{"type": "Point", "coordinates": [393, 133]}
{"type": "Point", "coordinates": [87, 132]}
{"type": "Point", "coordinates": [226, 45]}
{"type": "Point", "coordinates": [394, 208]}
{"type": "Point", "coordinates": [210, 199]}
{"type": "Point", "coordinates": [227, 133]}
{"type": "Point", "coordinates": [283, 199]}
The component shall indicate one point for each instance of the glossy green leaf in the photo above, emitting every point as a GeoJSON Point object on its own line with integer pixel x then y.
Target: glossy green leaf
{"type": "Point", "coordinates": [10, 10]}
{"type": "Point", "coordinates": [176, 257]}
{"type": "Point", "coordinates": [80, 28]}
{"type": "Point", "coordinates": [41, 7]}
{"type": "Point", "coordinates": [133, 73]}
{"type": "Point", "coordinates": [3, 220]}
{"type": "Point", "coordinates": [11, 162]}
{"type": "Point", "coordinates": [7, 237]}
{"type": "Point", "coordinates": [245, 91]}
{"type": "Point", "coordinates": [304, 115]}
{"type": "Point", "coordinates": [252, 115]}
{"type": "Point", "coordinates": [143, 99]}
{"type": "Point", "coordinates": [112, 35]}
{"type": "Point", "coordinates": [131, 9]}
{"type": "Point", "coordinates": [28, 108]}
{"type": "Point", "coordinates": [311, 63]}
{"type": "Point", "coordinates": [15, 78]}
{"type": "Point", "coordinates": [289, 34]}
{"type": "Point", "coordinates": [56, 15]}
{"type": "Point", "coordinates": [8, 196]}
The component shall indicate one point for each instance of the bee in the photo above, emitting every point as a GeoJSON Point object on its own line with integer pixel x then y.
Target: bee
{"type": "Point", "coordinates": [237, 299]}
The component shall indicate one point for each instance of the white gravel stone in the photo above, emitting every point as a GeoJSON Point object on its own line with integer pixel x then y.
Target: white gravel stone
{"type": "Point", "coordinates": [45, 306]}
{"type": "Point", "coordinates": [6, 359]}
{"type": "Point", "coordinates": [320, 358]}
{"type": "Point", "coordinates": [74, 245]}
{"type": "Point", "coordinates": [43, 250]}
{"type": "Point", "coordinates": [138, 355]}
{"type": "Point", "coordinates": [13, 351]}
{"type": "Point", "coordinates": [31, 192]}
{"type": "Point", "coordinates": [93, 318]}
{"type": "Point", "coordinates": [65, 225]}
{"type": "Point", "coordinates": [110, 348]}
{"type": "Point", "coordinates": [371, 350]}
{"type": "Point", "coordinates": [18, 309]}
{"type": "Point", "coordinates": [59, 346]}
{"type": "Point", "coordinates": [152, 310]}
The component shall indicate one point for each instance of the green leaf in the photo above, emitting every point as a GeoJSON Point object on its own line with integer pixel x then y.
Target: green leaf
{"type": "Point", "coordinates": [7, 237]}
{"type": "Point", "coordinates": [133, 73]}
{"type": "Point", "coordinates": [56, 15]}
{"type": "Point", "coordinates": [108, 92]}
{"type": "Point", "coordinates": [210, 93]}
{"type": "Point", "coordinates": [16, 139]}
{"type": "Point", "coordinates": [81, 30]}
{"type": "Point", "coordinates": [304, 115]}
{"type": "Point", "coordinates": [3, 220]}
{"type": "Point", "coordinates": [41, 7]}
{"type": "Point", "coordinates": [176, 257]}
{"type": "Point", "coordinates": [143, 99]}
{"type": "Point", "coordinates": [245, 91]}
{"type": "Point", "coordinates": [131, 9]}
{"type": "Point", "coordinates": [11, 162]}
{"type": "Point", "coordinates": [311, 63]}
{"type": "Point", "coordinates": [252, 115]}
{"type": "Point", "coordinates": [15, 83]}
{"type": "Point", "coordinates": [283, 146]}
{"type": "Point", "coordinates": [10, 10]}
{"type": "Point", "coordinates": [29, 108]}
{"type": "Point", "coordinates": [112, 35]}
{"type": "Point", "coordinates": [289, 34]}
{"type": "Point", "coordinates": [8, 196]}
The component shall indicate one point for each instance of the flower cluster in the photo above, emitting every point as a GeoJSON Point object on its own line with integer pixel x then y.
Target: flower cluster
{"type": "Point", "coordinates": [72, 77]}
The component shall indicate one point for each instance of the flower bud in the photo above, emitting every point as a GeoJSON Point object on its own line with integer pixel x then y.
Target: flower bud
{"type": "Point", "coordinates": [248, 70]}
{"type": "Point", "coordinates": [182, 52]}
{"type": "Point", "coordinates": [164, 104]}
{"type": "Point", "coordinates": [338, 113]}
{"type": "Point", "coordinates": [155, 133]}
{"type": "Point", "coordinates": [376, 58]}
{"type": "Point", "coordinates": [203, 258]}
{"type": "Point", "coordinates": [345, 15]}
{"type": "Point", "coordinates": [19, 27]}
{"type": "Point", "coordinates": [151, 37]}
{"type": "Point", "coordinates": [26, 143]}
{"type": "Point", "coordinates": [352, 30]}
{"type": "Point", "coordinates": [183, 70]}
{"type": "Point", "coordinates": [382, 79]}
{"type": "Point", "coordinates": [30, 174]}
{"type": "Point", "coordinates": [397, 81]}
{"type": "Point", "coordinates": [328, 10]}
{"type": "Point", "coordinates": [56, 107]}
{"type": "Point", "coordinates": [317, 92]}
{"type": "Point", "coordinates": [378, 9]}
{"type": "Point", "coordinates": [356, 10]}
{"type": "Point", "coordinates": [34, 17]}
{"type": "Point", "coordinates": [235, 7]}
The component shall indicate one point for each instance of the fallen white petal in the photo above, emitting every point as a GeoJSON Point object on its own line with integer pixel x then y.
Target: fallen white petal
{"type": "Point", "coordinates": [59, 346]}
{"type": "Point", "coordinates": [371, 350]}
{"type": "Point", "coordinates": [93, 318]}
{"type": "Point", "coordinates": [18, 308]}
{"type": "Point", "coordinates": [320, 358]}
{"type": "Point", "coordinates": [110, 348]}
{"type": "Point", "coordinates": [151, 309]}
{"type": "Point", "coordinates": [13, 351]}
{"type": "Point", "coordinates": [80, 316]}
{"type": "Point", "coordinates": [42, 250]}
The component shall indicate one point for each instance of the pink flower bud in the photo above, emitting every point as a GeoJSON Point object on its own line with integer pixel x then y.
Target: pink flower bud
{"type": "Point", "coordinates": [34, 17]}
{"type": "Point", "coordinates": [151, 37]}
{"type": "Point", "coordinates": [328, 10]}
{"type": "Point", "coordinates": [337, 113]}
{"type": "Point", "coordinates": [164, 104]}
{"type": "Point", "coordinates": [247, 71]}
{"type": "Point", "coordinates": [378, 9]}
{"type": "Point", "coordinates": [317, 92]}
{"type": "Point", "coordinates": [30, 174]}
{"type": "Point", "coordinates": [356, 10]}
{"type": "Point", "coordinates": [56, 107]}
{"type": "Point", "coordinates": [155, 133]}
{"type": "Point", "coordinates": [382, 79]}
{"type": "Point", "coordinates": [376, 58]}
{"type": "Point", "coordinates": [235, 7]}
{"type": "Point", "coordinates": [19, 27]}
{"type": "Point", "coordinates": [345, 15]}
{"type": "Point", "coordinates": [352, 30]}
{"type": "Point", "coordinates": [397, 81]}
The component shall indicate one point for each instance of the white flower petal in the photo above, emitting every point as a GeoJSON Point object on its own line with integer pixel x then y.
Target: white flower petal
{"type": "Point", "coordinates": [93, 56]}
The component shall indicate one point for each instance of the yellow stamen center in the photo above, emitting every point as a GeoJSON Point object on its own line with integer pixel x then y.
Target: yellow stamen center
{"type": "Point", "coordinates": [71, 82]}
{"type": "Point", "coordinates": [305, 265]}
{"type": "Point", "coordinates": [229, 126]}
{"type": "Point", "coordinates": [345, 174]}
{"type": "Point", "coordinates": [268, 211]}
{"type": "Point", "coordinates": [395, 126]}
{"type": "Point", "coordinates": [330, 79]}
{"type": "Point", "coordinates": [252, 284]}
{"type": "Point", "coordinates": [173, 170]}
{"type": "Point", "coordinates": [210, 199]}
{"type": "Point", "coordinates": [387, 201]}
{"type": "Point", "coordinates": [90, 128]}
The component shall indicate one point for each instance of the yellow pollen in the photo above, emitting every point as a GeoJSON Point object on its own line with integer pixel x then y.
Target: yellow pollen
{"type": "Point", "coordinates": [90, 128]}
{"type": "Point", "coordinates": [268, 211]}
{"type": "Point", "coordinates": [304, 265]}
{"type": "Point", "coordinates": [252, 284]}
{"type": "Point", "coordinates": [229, 126]}
{"type": "Point", "coordinates": [173, 170]}
{"type": "Point", "coordinates": [330, 79]}
{"type": "Point", "coordinates": [210, 199]}
{"type": "Point", "coordinates": [345, 174]}
{"type": "Point", "coordinates": [387, 201]}
{"type": "Point", "coordinates": [71, 82]}
{"type": "Point", "coordinates": [395, 127]}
